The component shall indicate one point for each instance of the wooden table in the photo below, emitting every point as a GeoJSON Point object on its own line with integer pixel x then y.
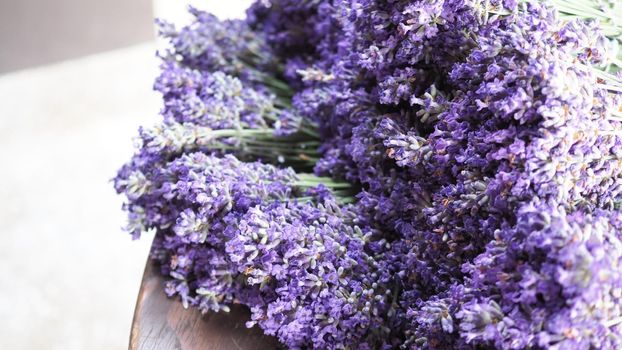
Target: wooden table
{"type": "Point", "coordinates": [161, 323]}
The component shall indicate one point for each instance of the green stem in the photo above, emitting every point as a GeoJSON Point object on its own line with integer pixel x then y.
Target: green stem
{"type": "Point", "coordinates": [610, 87]}
{"type": "Point", "coordinates": [240, 132]}
{"type": "Point", "coordinates": [342, 200]}
{"type": "Point", "coordinates": [578, 9]}
{"type": "Point", "coordinates": [608, 20]}
{"type": "Point", "coordinates": [334, 185]}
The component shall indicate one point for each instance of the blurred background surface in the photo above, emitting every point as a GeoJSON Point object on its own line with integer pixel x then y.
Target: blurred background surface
{"type": "Point", "coordinates": [75, 84]}
{"type": "Point", "coordinates": [34, 32]}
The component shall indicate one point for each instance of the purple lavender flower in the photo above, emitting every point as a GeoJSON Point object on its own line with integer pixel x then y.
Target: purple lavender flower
{"type": "Point", "coordinates": [217, 100]}
{"type": "Point", "coordinates": [190, 192]}
{"type": "Point", "coordinates": [323, 270]}
{"type": "Point", "coordinates": [562, 268]}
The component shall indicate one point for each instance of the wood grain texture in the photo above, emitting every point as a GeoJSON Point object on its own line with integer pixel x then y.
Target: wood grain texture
{"type": "Point", "coordinates": [161, 323]}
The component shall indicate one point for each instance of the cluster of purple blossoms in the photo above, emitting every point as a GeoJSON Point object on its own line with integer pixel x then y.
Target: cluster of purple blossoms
{"type": "Point", "coordinates": [467, 161]}
{"type": "Point", "coordinates": [277, 241]}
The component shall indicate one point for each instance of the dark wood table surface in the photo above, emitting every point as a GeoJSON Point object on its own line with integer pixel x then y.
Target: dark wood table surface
{"type": "Point", "coordinates": [161, 323]}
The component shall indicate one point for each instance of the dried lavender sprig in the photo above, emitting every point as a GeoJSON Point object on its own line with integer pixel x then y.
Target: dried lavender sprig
{"type": "Point", "coordinates": [222, 101]}
{"type": "Point", "coordinates": [230, 46]}
{"type": "Point", "coordinates": [319, 271]}
{"type": "Point", "coordinates": [211, 186]}
{"type": "Point", "coordinates": [562, 268]}
{"type": "Point", "coordinates": [168, 139]}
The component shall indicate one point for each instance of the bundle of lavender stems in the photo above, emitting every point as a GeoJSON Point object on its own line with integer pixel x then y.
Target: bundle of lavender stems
{"type": "Point", "coordinates": [422, 174]}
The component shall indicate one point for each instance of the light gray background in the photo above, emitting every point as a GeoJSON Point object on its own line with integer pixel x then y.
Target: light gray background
{"type": "Point", "coordinates": [34, 32]}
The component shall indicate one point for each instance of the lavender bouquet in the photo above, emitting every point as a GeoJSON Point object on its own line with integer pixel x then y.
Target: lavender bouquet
{"type": "Point", "coordinates": [423, 174]}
